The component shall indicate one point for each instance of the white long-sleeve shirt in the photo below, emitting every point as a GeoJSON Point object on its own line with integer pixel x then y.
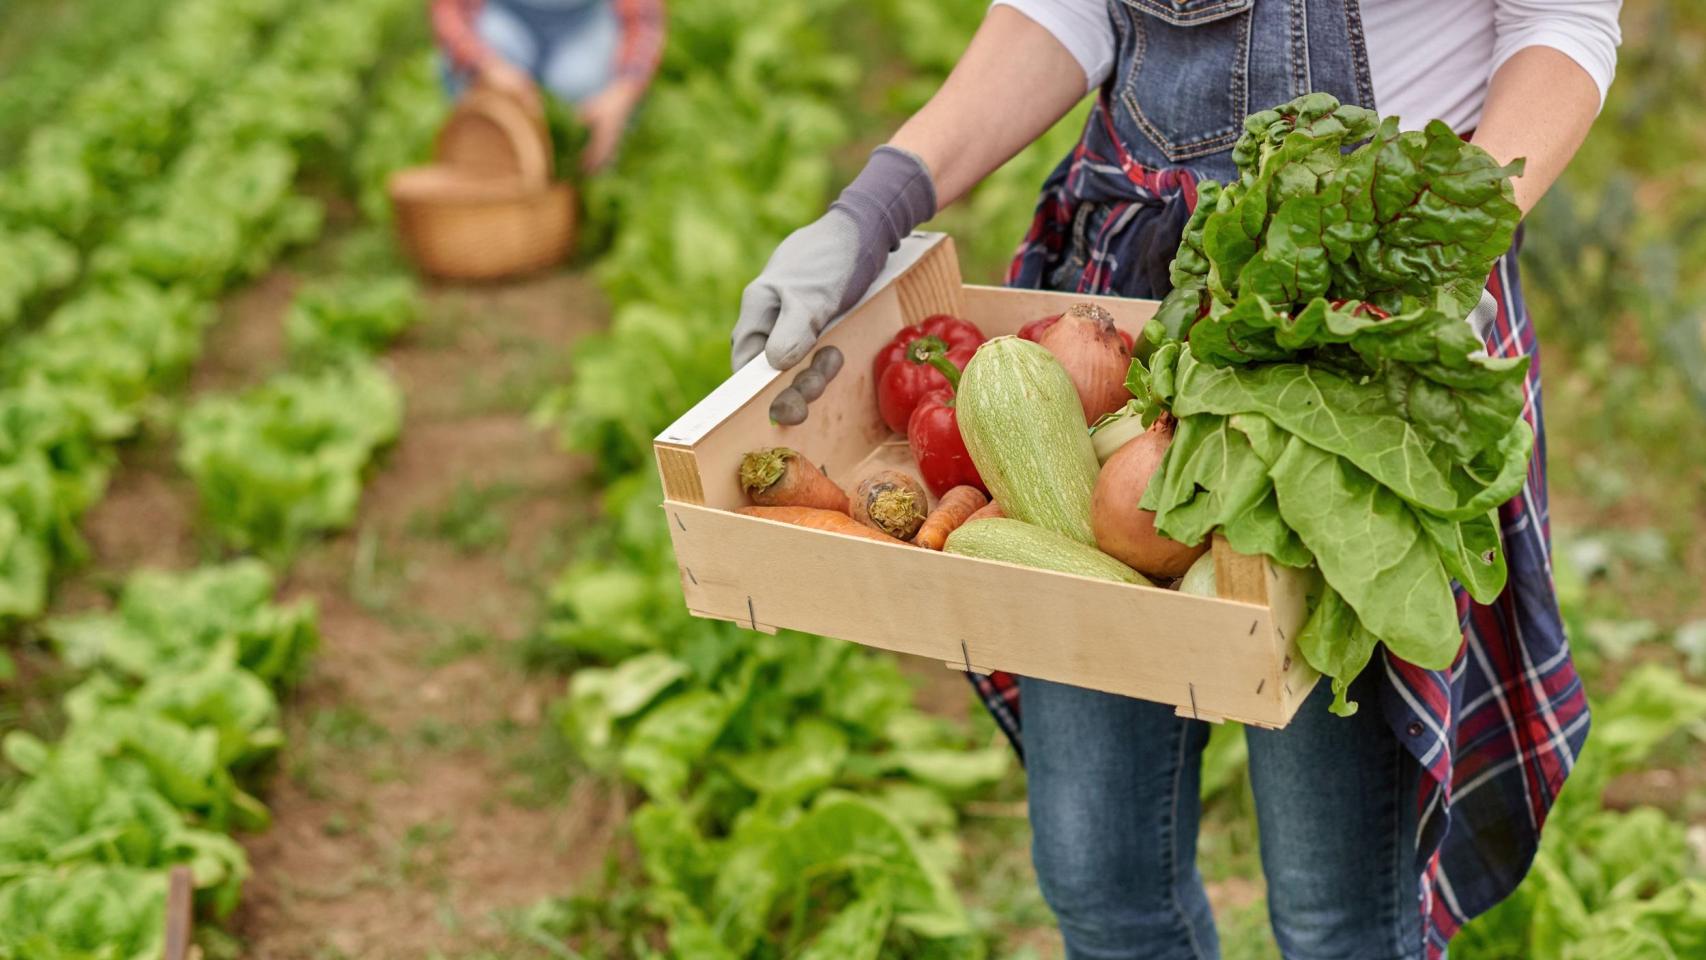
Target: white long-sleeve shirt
{"type": "Point", "coordinates": [1431, 59]}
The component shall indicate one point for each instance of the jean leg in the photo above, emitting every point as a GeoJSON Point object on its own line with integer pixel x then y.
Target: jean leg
{"type": "Point", "coordinates": [581, 56]}
{"type": "Point", "coordinates": [509, 36]}
{"type": "Point", "coordinates": [1114, 800]}
{"type": "Point", "coordinates": [1336, 805]}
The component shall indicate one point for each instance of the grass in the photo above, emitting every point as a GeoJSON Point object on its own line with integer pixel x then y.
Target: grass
{"type": "Point", "coordinates": [471, 519]}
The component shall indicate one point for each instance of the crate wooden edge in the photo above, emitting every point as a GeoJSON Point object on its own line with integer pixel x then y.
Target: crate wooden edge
{"type": "Point", "coordinates": [180, 909]}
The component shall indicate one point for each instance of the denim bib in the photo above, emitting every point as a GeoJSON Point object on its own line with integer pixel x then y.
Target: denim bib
{"type": "Point", "coordinates": [1186, 73]}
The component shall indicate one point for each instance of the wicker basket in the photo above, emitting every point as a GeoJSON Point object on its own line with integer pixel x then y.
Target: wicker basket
{"type": "Point", "coordinates": [488, 207]}
{"type": "Point", "coordinates": [491, 135]}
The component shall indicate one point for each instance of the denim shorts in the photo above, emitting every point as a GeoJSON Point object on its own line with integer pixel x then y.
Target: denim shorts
{"type": "Point", "coordinates": [568, 46]}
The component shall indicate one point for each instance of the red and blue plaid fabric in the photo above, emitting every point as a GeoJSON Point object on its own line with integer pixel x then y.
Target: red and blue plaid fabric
{"type": "Point", "coordinates": [1500, 730]}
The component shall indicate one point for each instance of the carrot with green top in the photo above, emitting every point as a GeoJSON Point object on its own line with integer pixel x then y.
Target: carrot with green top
{"type": "Point", "coordinates": [781, 477]}
{"type": "Point", "coordinates": [955, 508]}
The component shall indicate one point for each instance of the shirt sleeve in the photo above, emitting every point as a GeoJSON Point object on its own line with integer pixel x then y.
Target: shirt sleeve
{"type": "Point", "coordinates": [1081, 26]}
{"type": "Point", "coordinates": [453, 25]}
{"type": "Point", "coordinates": [642, 38]}
{"type": "Point", "coordinates": [1586, 31]}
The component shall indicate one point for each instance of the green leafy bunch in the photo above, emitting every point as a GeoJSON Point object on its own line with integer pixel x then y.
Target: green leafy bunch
{"type": "Point", "coordinates": [349, 313]}
{"type": "Point", "coordinates": [284, 460]}
{"type": "Point", "coordinates": [176, 718]}
{"type": "Point", "coordinates": [1334, 409]}
{"type": "Point", "coordinates": [33, 262]}
{"type": "Point", "coordinates": [170, 621]}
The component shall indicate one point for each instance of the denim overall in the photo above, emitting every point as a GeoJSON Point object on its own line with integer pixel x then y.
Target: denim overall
{"type": "Point", "coordinates": [1353, 812]}
{"type": "Point", "coordinates": [1186, 74]}
{"type": "Point", "coordinates": [568, 46]}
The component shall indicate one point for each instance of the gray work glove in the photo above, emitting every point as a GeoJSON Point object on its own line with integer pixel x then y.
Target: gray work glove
{"type": "Point", "coordinates": [824, 267]}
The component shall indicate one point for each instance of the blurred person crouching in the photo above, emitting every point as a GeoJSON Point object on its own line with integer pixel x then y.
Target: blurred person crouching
{"type": "Point", "coordinates": [599, 55]}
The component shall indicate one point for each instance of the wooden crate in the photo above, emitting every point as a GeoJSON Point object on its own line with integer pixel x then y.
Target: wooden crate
{"type": "Point", "coordinates": [1230, 658]}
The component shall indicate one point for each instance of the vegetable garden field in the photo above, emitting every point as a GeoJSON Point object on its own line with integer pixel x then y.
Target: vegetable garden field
{"type": "Point", "coordinates": [350, 592]}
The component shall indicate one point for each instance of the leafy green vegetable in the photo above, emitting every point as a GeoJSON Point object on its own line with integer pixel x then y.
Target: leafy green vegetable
{"type": "Point", "coordinates": [350, 313]}
{"type": "Point", "coordinates": [1372, 551]}
{"type": "Point", "coordinates": [168, 621]}
{"type": "Point", "coordinates": [88, 913]}
{"type": "Point", "coordinates": [284, 460]}
{"type": "Point", "coordinates": [1333, 406]}
{"type": "Point", "coordinates": [160, 207]}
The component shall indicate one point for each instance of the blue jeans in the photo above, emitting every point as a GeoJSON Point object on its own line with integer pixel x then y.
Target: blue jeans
{"type": "Point", "coordinates": [1115, 809]}
{"type": "Point", "coordinates": [568, 46]}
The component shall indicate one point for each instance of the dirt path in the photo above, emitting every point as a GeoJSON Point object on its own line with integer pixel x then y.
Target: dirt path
{"type": "Point", "coordinates": [422, 795]}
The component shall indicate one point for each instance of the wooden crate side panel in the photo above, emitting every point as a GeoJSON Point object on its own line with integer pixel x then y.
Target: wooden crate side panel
{"type": "Point", "coordinates": [1238, 576]}
{"type": "Point", "coordinates": [932, 285]}
{"type": "Point", "coordinates": [1143, 642]}
{"type": "Point", "coordinates": [999, 311]}
{"type": "Point", "coordinates": [680, 472]}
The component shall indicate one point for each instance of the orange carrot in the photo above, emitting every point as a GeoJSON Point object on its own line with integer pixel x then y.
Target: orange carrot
{"type": "Point", "coordinates": [892, 502]}
{"type": "Point", "coordinates": [988, 511]}
{"type": "Point", "coordinates": [956, 507]}
{"type": "Point", "coordinates": [780, 477]}
{"type": "Point", "coordinates": [819, 520]}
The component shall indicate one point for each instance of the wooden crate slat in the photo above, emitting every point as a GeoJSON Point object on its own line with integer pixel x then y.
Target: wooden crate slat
{"type": "Point", "coordinates": [1142, 641]}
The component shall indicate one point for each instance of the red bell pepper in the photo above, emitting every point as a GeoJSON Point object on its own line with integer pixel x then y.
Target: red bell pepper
{"type": "Point", "coordinates": [934, 428]}
{"type": "Point", "coordinates": [902, 383]}
{"type": "Point", "coordinates": [1033, 331]}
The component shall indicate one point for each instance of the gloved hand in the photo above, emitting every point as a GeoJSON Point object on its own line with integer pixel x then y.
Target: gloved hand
{"type": "Point", "coordinates": [824, 267]}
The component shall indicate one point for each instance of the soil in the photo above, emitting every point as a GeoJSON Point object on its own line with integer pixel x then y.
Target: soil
{"type": "Point", "coordinates": [422, 797]}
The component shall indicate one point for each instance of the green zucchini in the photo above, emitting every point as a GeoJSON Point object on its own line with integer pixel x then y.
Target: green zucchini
{"type": "Point", "coordinates": [1011, 541]}
{"type": "Point", "coordinates": [1024, 427]}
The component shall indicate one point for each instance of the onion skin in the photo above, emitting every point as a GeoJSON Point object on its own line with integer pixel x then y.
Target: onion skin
{"type": "Point", "coordinates": [1095, 356]}
{"type": "Point", "coordinates": [1126, 531]}
{"type": "Point", "coordinates": [1199, 580]}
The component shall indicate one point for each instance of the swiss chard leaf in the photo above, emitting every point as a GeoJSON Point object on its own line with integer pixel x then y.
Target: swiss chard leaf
{"type": "Point", "coordinates": [1358, 422]}
{"type": "Point", "coordinates": [1335, 642]}
{"type": "Point", "coordinates": [1372, 552]}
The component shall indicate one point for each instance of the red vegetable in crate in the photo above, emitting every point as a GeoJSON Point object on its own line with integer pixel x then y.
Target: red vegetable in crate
{"type": "Point", "coordinates": [1034, 331]}
{"type": "Point", "coordinates": [934, 429]}
{"type": "Point", "coordinates": [902, 383]}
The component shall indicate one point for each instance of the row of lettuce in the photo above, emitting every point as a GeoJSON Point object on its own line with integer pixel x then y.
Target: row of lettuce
{"type": "Point", "coordinates": [175, 715]}
{"type": "Point", "coordinates": [787, 771]}
{"type": "Point", "coordinates": [797, 803]}
{"type": "Point", "coordinates": [171, 178]}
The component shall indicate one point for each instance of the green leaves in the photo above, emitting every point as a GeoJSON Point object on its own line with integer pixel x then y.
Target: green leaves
{"type": "Point", "coordinates": [1335, 642]}
{"type": "Point", "coordinates": [350, 313]}
{"type": "Point", "coordinates": [168, 621]}
{"type": "Point", "coordinates": [1334, 409]}
{"type": "Point", "coordinates": [1372, 551]}
{"type": "Point", "coordinates": [283, 461]}
{"type": "Point", "coordinates": [88, 913]}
